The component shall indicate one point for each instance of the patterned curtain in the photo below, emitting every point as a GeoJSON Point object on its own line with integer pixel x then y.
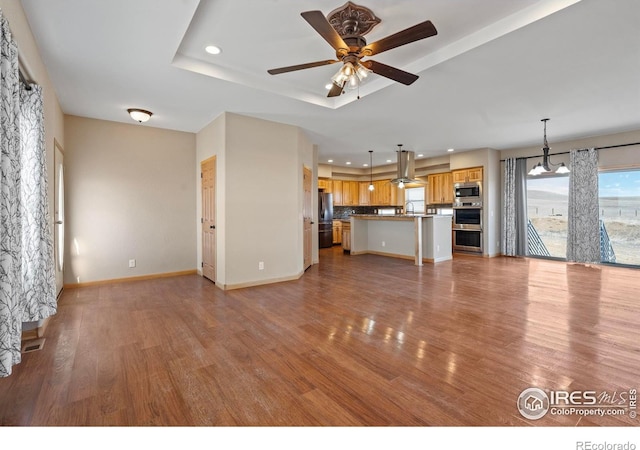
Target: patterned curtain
{"type": "Point", "coordinates": [583, 232]}
{"type": "Point", "coordinates": [27, 277]}
{"type": "Point", "coordinates": [10, 222]}
{"type": "Point", "coordinates": [514, 225]}
{"type": "Point", "coordinates": [38, 263]}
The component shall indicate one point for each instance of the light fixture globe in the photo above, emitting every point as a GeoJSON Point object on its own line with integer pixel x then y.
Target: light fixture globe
{"type": "Point", "coordinates": [139, 115]}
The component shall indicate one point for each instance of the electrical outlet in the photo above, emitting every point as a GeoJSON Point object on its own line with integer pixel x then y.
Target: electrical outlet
{"type": "Point", "coordinates": [261, 265]}
{"type": "Point", "coordinates": [384, 243]}
{"type": "Point", "coordinates": [132, 263]}
{"type": "Point", "coordinates": [437, 247]}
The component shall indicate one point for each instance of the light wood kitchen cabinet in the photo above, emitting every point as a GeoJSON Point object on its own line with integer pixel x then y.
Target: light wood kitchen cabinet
{"type": "Point", "coordinates": [381, 195]}
{"type": "Point", "coordinates": [364, 194]}
{"type": "Point", "coordinates": [397, 196]}
{"type": "Point", "coordinates": [336, 190]}
{"type": "Point", "coordinates": [337, 232]}
{"type": "Point", "coordinates": [324, 184]}
{"type": "Point", "coordinates": [467, 175]}
{"type": "Point", "coordinates": [357, 193]}
{"type": "Point", "coordinates": [440, 188]}
{"type": "Point", "coordinates": [350, 193]}
{"type": "Point", "coordinates": [346, 236]}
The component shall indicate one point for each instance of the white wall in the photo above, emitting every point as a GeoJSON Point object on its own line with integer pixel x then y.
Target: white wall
{"type": "Point", "coordinates": [130, 194]}
{"type": "Point", "coordinates": [258, 200]}
{"type": "Point", "coordinates": [36, 71]}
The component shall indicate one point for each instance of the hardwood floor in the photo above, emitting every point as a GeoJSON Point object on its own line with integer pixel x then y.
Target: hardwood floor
{"type": "Point", "coordinates": [358, 340]}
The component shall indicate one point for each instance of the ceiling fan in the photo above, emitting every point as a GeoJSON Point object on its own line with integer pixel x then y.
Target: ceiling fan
{"type": "Point", "coordinates": [344, 29]}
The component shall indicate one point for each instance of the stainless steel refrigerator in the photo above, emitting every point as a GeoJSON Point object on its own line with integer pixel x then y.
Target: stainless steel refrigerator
{"type": "Point", "coordinates": [325, 219]}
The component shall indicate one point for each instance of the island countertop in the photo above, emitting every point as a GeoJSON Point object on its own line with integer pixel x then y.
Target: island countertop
{"type": "Point", "coordinates": [421, 237]}
{"type": "Point", "coordinates": [392, 216]}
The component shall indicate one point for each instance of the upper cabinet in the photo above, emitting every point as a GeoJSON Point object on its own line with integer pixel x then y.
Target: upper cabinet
{"type": "Point", "coordinates": [350, 193]}
{"type": "Point", "coordinates": [467, 175]}
{"type": "Point", "coordinates": [324, 184]}
{"type": "Point", "coordinates": [336, 190]}
{"type": "Point", "coordinates": [381, 194]}
{"type": "Point", "coordinates": [365, 195]}
{"type": "Point", "coordinates": [357, 193]}
{"type": "Point", "coordinates": [440, 188]}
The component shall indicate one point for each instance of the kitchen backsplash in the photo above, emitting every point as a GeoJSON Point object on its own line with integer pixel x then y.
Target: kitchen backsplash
{"type": "Point", "coordinates": [343, 212]}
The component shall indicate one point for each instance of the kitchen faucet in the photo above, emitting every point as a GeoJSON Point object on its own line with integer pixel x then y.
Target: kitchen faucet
{"type": "Point", "coordinates": [413, 208]}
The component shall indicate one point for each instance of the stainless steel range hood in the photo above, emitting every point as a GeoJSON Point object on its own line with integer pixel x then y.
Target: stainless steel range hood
{"type": "Point", "coordinates": [406, 168]}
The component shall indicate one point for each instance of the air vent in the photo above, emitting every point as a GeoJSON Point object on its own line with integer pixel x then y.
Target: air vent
{"type": "Point", "coordinates": [33, 345]}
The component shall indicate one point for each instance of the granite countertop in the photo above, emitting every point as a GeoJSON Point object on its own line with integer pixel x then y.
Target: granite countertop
{"type": "Point", "coordinates": [392, 216]}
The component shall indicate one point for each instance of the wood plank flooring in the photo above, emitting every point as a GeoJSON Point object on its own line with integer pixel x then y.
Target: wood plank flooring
{"type": "Point", "coordinates": [358, 340]}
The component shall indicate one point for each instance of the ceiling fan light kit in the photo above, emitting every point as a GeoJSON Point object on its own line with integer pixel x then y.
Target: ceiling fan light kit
{"type": "Point", "coordinates": [344, 29]}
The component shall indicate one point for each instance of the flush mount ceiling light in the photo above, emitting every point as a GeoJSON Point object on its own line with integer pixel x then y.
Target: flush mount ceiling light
{"type": "Point", "coordinates": [139, 115]}
{"type": "Point", "coordinates": [544, 167]}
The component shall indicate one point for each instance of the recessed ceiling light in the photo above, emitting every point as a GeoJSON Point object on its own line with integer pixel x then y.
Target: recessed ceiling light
{"type": "Point", "coordinates": [420, 155]}
{"type": "Point", "coordinates": [213, 50]}
{"type": "Point", "coordinates": [366, 165]}
{"type": "Point", "coordinates": [331, 160]}
{"type": "Point", "coordinates": [348, 163]}
{"type": "Point", "coordinates": [328, 86]}
{"type": "Point", "coordinates": [450, 150]}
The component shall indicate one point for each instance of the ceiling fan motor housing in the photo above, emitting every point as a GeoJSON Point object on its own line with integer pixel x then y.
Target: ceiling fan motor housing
{"type": "Point", "coordinates": [355, 43]}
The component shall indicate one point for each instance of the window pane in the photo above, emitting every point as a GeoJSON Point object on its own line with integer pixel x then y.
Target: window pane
{"type": "Point", "coordinates": [547, 208]}
{"type": "Point", "coordinates": [619, 209]}
{"type": "Point", "coordinates": [414, 199]}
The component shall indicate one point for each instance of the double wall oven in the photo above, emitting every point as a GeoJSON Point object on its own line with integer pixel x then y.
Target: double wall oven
{"type": "Point", "coordinates": [467, 217]}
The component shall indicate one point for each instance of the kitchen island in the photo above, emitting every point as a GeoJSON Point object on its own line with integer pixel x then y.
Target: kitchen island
{"type": "Point", "coordinates": [423, 238]}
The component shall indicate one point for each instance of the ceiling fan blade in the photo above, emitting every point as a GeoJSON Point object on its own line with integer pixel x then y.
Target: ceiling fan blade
{"type": "Point", "coordinates": [320, 23]}
{"type": "Point", "coordinates": [301, 66]}
{"type": "Point", "coordinates": [390, 72]}
{"type": "Point", "coordinates": [335, 90]}
{"type": "Point", "coordinates": [415, 33]}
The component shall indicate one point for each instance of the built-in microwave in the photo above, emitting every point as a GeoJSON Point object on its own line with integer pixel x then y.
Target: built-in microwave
{"type": "Point", "coordinates": [467, 194]}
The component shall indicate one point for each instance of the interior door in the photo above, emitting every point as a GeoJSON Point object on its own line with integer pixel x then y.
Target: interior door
{"type": "Point", "coordinates": [58, 219]}
{"type": "Point", "coordinates": [208, 174]}
{"type": "Point", "coordinates": [307, 214]}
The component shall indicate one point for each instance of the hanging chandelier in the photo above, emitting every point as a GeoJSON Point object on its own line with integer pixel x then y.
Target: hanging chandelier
{"type": "Point", "coordinates": [544, 167]}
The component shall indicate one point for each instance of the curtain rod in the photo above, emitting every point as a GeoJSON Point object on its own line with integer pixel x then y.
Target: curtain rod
{"type": "Point", "coordinates": [566, 153]}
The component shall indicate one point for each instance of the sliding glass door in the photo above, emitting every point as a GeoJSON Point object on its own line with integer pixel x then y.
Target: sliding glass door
{"type": "Point", "coordinates": [619, 198]}
{"type": "Point", "coordinates": [547, 208]}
